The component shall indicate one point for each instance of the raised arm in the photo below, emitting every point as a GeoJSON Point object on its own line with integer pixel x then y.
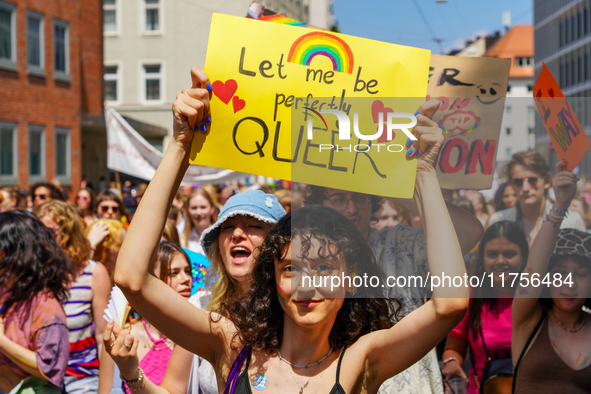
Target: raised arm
{"type": "Point", "coordinates": [152, 298]}
{"type": "Point", "coordinates": [434, 320]}
{"type": "Point", "coordinates": [101, 286]}
{"type": "Point", "coordinates": [526, 310]}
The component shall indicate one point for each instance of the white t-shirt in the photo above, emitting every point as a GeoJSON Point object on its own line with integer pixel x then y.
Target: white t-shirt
{"type": "Point", "coordinates": [202, 373]}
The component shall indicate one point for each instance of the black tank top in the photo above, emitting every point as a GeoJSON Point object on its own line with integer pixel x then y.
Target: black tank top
{"type": "Point", "coordinates": [243, 383]}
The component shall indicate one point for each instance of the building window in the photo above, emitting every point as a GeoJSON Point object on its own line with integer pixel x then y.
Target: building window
{"type": "Point", "coordinates": [508, 131]}
{"type": "Point", "coordinates": [7, 35]}
{"type": "Point", "coordinates": [560, 34]}
{"type": "Point", "coordinates": [35, 43]}
{"type": "Point", "coordinates": [36, 152]}
{"type": "Point", "coordinates": [8, 153]}
{"type": "Point", "coordinates": [152, 82]}
{"type": "Point", "coordinates": [586, 21]}
{"type": "Point", "coordinates": [508, 109]}
{"type": "Point", "coordinates": [109, 16]}
{"type": "Point", "coordinates": [580, 69]}
{"type": "Point", "coordinates": [530, 110]}
{"type": "Point", "coordinates": [530, 130]}
{"type": "Point", "coordinates": [61, 50]}
{"type": "Point", "coordinates": [579, 24]}
{"type": "Point", "coordinates": [152, 15]}
{"type": "Point", "coordinates": [111, 83]}
{"type": "Point", "coordinates": [62, 153]}
{"type": "Point", "coordinates": [573, 31]}
{"type": "Point", "coordinates": [586, 66]}
{"type": "Point", "coordinates": [508, 152]}
{"type": "Point", "coordinates": [524, 61]}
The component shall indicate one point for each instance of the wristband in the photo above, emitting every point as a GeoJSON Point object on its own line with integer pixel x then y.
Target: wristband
{"type": "Point", "coordinates": [564, 213]}
{"type": "Point", "coordinates": [447, 360]}
{"type": "Point", "coordinates": [133, 382]}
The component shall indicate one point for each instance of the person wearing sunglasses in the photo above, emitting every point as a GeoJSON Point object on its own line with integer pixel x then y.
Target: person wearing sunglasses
{"type": "Point", "coordinates": [42, 192]}
{"type": "Point", "coordinates": [85, 201]}
{"type": "Point", "coordinates": [109, 206]}
{"type": "Point", "coordinates": [400, 252]}
{"type": "Point", "coordinates": [529, 175]}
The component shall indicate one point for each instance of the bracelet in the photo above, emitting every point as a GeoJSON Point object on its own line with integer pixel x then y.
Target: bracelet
{"type": "Point", "coordinates": [134, 389]}
{"type": "Point", "coordinates": [133, 382]}
{"type": "Point", "coordinates": [564, 213]}
{"type": "Point", "coordinates": [555, 220]}
{"type": "Point", "coordinates": [450, 359]}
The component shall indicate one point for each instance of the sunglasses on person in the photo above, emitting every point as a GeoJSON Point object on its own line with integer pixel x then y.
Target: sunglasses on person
{"type": "Point", "coordinates": [532, 180]}
{"type": "Point", "coordinates": [105, 209]}
{"type": "Point", "coordinates": [83, 198]}
{"type": "Point", "coordinates": [40, 196]}
{"type": "Point", "coordinates": [341, 202]}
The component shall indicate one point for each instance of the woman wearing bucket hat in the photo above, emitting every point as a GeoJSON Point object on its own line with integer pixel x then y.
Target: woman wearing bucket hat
{"type": "Point", "coordinates": [230, 244]}
{"type": "Point", "coordinates": [551, 343]}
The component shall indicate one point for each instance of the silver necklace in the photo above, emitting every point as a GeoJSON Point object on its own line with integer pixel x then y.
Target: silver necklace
{"type": "Point", "coordinates": [299, 385]}
{"type": "Point", "coordinates": [307, 365]}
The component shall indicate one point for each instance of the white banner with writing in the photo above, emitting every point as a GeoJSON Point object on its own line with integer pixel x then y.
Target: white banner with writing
{"type": "Point", "coordinates": [130, 153]}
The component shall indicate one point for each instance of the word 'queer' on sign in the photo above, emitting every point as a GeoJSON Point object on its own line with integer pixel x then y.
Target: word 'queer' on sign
{"type": "Point", "coordinates": [262, 73]}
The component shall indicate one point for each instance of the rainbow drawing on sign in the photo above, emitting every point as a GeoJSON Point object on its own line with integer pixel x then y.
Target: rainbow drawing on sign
{"type": "Point", "coordinates": [316, 116]}
{"type": "Point", "coordinates": [317, 43]}
{"type": "Point", "coordinates": [278, 18]}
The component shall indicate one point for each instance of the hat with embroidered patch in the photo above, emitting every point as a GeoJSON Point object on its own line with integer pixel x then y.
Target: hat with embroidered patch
{"type": "Point", "coordinates": [254, 203]}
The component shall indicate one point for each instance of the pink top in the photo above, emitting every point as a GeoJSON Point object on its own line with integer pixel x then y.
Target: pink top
{"type": "Point", "coordinates": [155, 361]}
{"type": "Point", "coordinates": [38, 324]}
{"type": "Point", "coordinates": [496, 327]}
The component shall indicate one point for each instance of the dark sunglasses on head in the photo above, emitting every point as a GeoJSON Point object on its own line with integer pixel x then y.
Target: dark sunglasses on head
{"type": "Point", "coordinates": [105, 209]}
{"type": "Point", "coordinates": [40, 196]}
{"type": "Point", "coordinates": [532, 180]}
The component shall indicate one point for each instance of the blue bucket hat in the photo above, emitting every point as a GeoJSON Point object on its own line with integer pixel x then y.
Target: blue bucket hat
{"type": "Point", "coordinates": [254, 203]}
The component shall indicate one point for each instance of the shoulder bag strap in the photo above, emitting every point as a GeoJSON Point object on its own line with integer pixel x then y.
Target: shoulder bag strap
{"type": "Point", "coordinates": [529, 340]}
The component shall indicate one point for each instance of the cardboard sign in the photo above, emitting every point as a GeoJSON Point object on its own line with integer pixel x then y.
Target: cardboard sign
{"type": "Point", "coordinates": [566, 133]}
{"type": "Point", "coordinates": [472, 94]}
{"type": "Point", "coordinates": [261, 72]}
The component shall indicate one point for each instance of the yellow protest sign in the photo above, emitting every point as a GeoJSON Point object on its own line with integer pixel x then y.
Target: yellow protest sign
{"type": "Point", "coordinates": [262, 73]}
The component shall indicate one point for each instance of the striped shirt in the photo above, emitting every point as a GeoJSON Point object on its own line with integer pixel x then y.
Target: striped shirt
{"type": "Point", "coordinates": [83, 350]}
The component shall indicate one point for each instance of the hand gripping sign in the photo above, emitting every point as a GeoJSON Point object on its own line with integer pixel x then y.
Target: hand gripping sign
{"type": "Point", "coordinates": [270, 79]}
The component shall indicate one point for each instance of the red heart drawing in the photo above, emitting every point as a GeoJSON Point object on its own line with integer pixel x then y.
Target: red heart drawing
{"type": "Point", "coordinates": [377, 107]}
{"type": "Point", "coordinates": [551, 92]}
{"type": "Point", "coordinates": [226, 90]}
{"type": "Point", "coordinates": [238, 103]}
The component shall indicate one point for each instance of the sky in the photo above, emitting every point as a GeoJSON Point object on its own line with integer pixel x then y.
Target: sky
{"type": "Point", "coordinates": [454, 21]}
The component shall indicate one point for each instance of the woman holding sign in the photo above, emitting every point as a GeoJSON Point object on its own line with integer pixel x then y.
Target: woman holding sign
{"type": "Point", "coordinates": [310, 329]}
{"type": "Point", "coordinates": [551, 343]}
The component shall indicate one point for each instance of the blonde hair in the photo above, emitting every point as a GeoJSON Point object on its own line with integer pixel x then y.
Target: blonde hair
{"type": "Point", "coordinates": [224, 286]}
{"type": "Point", "coordinates": [170, 232]}
{"type": "Point", "coordinates": [188, 223]}
{"type": "Point", "coordinates": [73, 242]}
{"type": "Point", "coordinates": [112, 241]}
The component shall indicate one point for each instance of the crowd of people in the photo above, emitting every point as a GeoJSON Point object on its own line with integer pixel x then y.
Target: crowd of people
{"type": "Point", "coordinates": [215, 277]}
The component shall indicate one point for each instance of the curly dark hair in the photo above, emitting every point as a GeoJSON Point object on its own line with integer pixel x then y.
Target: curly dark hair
{"type": "Point", "coordinates": [258, 315]}
{"type": "Point", "coordinates": [33, 260]}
